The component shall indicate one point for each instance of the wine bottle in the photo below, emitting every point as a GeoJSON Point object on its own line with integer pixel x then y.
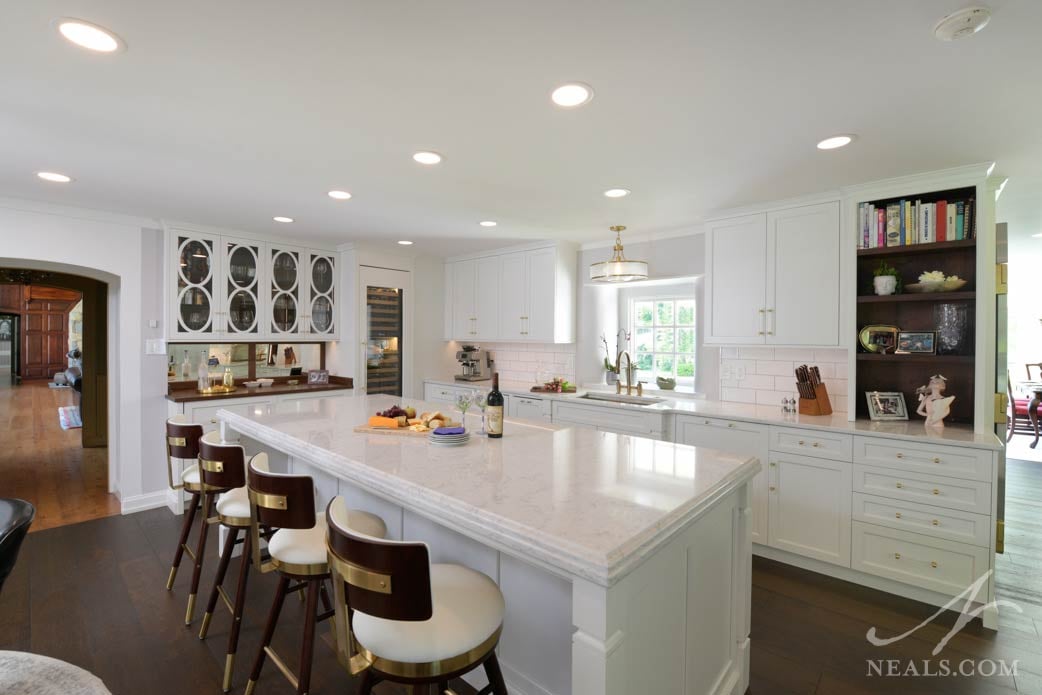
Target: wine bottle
{"type": "Point", "coordinates": [494, 410]}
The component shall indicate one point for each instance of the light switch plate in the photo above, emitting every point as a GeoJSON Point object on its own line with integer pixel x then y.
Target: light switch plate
{"type": "Point", "coordinates": [155, 346]}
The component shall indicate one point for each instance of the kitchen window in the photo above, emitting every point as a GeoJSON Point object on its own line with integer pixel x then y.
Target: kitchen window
{"type": "Point", "coordinates": [663, 335]}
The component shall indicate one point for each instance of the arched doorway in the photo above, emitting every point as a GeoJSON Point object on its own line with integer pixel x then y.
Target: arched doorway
{"type": "Point", "coordinates": [55, 434]}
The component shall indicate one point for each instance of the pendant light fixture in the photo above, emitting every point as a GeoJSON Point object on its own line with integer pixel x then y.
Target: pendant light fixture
{"type": "Point", "coordinates": [618, 269]}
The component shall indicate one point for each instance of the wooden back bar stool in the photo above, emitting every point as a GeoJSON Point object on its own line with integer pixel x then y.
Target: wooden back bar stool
{"type": "Point", "coordinates": [182, 442]}
{"type": "Point", "coordinates": [399, 618]}
{"type": "Point", "coordinates": [297, 550]}
{"type": "Point", "coordinates": [223, 467]}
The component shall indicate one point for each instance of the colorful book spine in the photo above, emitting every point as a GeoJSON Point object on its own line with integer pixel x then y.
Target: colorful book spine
{"type": "Point", "coordinates": [960, 220]}
{"type": "Point", "coordinates": [941, 219]}
{"type": "Point", "coordinates": [880, 228]}
{"type": "Point", "coordinates": [893, 225]}
{"type": "Point", "coordinates": [971, 219]}
{"type": "Point", "coordinates": [903, 228]}
{"type": "Point", "coordinates": [951, 210]}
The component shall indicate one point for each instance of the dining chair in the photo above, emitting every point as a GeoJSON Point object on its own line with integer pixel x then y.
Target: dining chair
{"type": "Point", "coordinates": [16, 516]}
{"type": "Point", "coordinates": [1036, 365]}
{"type": "Point", "coordinates": [1017, 418]}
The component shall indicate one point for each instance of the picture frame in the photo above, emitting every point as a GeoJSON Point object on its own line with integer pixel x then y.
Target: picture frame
{"type": "Point", "coordinates": [318, 377]}
{"type": "Point", "coordinates": [879, 339]}
{"type": "Point", "coordinates": [916, 343]}
{"type": "Point", "coordinates": [886, 405]}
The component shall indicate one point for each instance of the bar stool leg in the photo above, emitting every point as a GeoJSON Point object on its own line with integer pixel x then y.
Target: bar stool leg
{"type": "Point", "coordinates": [218, 580]}
{"type": "Point", "coordinates": [307, 647]}
{"type": "Point", "coordinates": [365, 687]}
{"type": "Point", "coordinates": [200, 550]}
{"type": "Point", "coordinates": [186, 528]}
{"type": "Point", "coordinates": [495, 676]}
{"type": "Point", "coordinates": [240, 601]}
{"type": "Point", "coordinates": [269, 632]}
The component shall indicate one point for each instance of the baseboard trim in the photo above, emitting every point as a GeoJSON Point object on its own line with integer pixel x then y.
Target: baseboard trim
{"type": "Point", "coordinates": [139, 503]}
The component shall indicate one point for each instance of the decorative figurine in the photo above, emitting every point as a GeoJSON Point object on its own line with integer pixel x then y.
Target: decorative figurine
{"type": "Point", "coordinates": [933, 404]}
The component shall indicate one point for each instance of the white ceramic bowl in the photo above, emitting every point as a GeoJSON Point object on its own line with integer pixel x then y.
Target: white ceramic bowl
{"type": "Point", "coordinates": [251, 384]}
{"type": "Point", "coordinates": [265, 382]}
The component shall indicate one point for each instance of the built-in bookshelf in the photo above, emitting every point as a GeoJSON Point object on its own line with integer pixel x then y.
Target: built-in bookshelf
{"type": "Point", "coordinates": [910, 238]}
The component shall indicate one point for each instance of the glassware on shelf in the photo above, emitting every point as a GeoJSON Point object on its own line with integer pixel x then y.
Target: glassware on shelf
{"type": "Point", "coordinates": [954, 329]}
{"type": "Point", "coordinates": [481, 401]}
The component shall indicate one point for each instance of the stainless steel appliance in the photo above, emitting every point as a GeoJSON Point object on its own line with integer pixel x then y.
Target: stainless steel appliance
{"type": "Point", "coordinates": [476, 363]}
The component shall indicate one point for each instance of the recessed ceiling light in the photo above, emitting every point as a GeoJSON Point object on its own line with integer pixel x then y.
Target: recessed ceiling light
{"type": "Point", "coordinates": [427, 157]}
{"type": "Point", "coordinates": [284, 220]}
{"type": "Point", "coordinates": [617, 192]}
{"type": "Point", "coordinates": [965, 22]}
{"type": "Point", "coordinates": [403, 242]}
{"type": "Point", "coordinates": [487, 223]}
{"type": "Point", "coordinates": [53, 177]}
{"type": "Point", "coordinates": [1037, 236]}
{"type": "Point", "coordinates": [339, 195]}
{"type": "Point", "coordinates": [835, 141]}
{"type": "Point", "coordinates": [572, 94]}
{"type": "Point", "coordinates": [90, 36]}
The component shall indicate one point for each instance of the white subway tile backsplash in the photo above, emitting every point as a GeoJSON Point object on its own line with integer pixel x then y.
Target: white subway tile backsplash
{"type": "Point", "coordinates": [727, 353]}
{"type": "Point", "coordinates": [530, 362]}
{"type": "Point", "coordinates": [774, 367]}
{"type": "Point", "coordinates": [801, 355]}
{"type": "Point", "coordinates": [830, 355]}
{"type": "Point", "coordinates": [767, 373]}
{"type": "Point", "coordinates": [738, 395]}
{"type": "Point", "coordinates": [756, 353]}
{"type": "Point", "coordinates": [757, 381]}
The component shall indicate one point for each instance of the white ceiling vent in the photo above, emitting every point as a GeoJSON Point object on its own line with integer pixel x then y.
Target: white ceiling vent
{"type": "Point", "coordinates": [965, 22]}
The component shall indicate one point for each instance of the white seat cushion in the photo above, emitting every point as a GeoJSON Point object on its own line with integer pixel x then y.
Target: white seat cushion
{"type": "Point", "coordinates": [468, 609]}
{"type": "Point", "coordinates": [191, 475]}
{"type": "Point", "coordinates": [308, 546]}
{"type": "Point", "coordinates": [234, 503]}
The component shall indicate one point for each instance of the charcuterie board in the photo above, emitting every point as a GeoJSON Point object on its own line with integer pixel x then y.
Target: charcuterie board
{"type": "Point", "coordinates": [400, 431]}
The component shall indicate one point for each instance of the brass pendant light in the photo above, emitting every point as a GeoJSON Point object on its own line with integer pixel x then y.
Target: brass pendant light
{"type": "Point", "coordinates": [618, 269]}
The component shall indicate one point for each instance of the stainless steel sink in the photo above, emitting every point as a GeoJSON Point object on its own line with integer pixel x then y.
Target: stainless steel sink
{"type": "Point", "coordinates": [621, 398]}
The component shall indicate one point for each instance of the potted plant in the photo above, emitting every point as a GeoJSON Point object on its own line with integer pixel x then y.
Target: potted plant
{"type": "Point", "coordinates": [886, 279]}
{"type": "Point", "coordinates": [611, 374]}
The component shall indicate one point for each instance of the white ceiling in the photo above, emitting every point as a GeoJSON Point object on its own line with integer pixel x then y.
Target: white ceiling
{"type": "Point", "coordinates": [227, 113]}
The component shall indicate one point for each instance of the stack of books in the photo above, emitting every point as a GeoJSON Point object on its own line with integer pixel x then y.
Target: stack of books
{"type": "Point", "coordinates": [908, 222]}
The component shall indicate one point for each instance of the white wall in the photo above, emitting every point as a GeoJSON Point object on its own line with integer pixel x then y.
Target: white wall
{"type": "Point", "coordinates": [110, 248]}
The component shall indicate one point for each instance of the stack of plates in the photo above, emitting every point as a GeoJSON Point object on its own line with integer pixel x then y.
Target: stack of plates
{"type": "Point", "coordinates": [449, 439]}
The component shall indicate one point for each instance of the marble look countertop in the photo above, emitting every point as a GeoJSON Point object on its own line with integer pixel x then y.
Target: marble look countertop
{"type": "Point", "coordinates": [911, 430]}
{"type": "Point", "coordinates": [588, 503]}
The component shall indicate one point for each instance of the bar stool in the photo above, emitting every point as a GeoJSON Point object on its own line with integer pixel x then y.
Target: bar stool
{"type": "Point", "coordinates": [182, 442]}
{"type": "Point", "coordinates": [399, 618]}
{"type": "Point", "coordinates": [298, 552]}
{"type": "Point", "coordinates": [223, 467]}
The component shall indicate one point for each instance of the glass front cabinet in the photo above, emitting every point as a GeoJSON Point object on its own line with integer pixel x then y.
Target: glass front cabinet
{"type": "Point", "coordinates": [231, 288]}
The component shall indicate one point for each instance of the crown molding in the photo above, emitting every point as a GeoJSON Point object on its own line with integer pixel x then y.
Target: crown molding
{"type": "Point", "coordinates": [955, 177]}
{"type": "Point", "coordinates": [72, 212]}
{"type": "Point", "coordinates": [645, 238]}
{"type": "Point", "coordinates": [252, 236]}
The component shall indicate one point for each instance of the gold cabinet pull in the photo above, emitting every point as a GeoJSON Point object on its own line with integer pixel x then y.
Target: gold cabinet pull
{"type": "Point", "coordinates": [773, 464]}
{"type": "Point", "coordinates": [213, 421]}
{"type": "Point", "coordinates": [705, 422]}
{"type": "Point", "coordinates": [773, 488]}
{"type": "Point", "coordinates": [801, 442]}
{"type": "Point", "coordinates": [900, 485]}
{"type": "Point", "coordinates": [897, 515]}
{"type": "Point", "coordinates": [933, 563]}
{"type": "Point", "coordinates": [936, 459]}
{"type": "Point", "coordinates": [897, 556]}
{"type": "Point", "coordinates": [936, 491]}
{"type": "Point", "coordinates": [935, 522]}
{"type": "Point", "coordinates": [900, 455]}
{"type": "Point", "coordinates": [730, 424]}
{"type": "Point", "coordinates": [816, 445]}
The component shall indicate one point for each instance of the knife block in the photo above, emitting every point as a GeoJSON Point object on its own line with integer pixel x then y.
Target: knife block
{"type": "Point", "coordinates": [819, 405]}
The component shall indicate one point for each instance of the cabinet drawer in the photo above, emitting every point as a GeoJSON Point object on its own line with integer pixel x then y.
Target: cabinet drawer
{"type": "Point", "coordinates": [729, 435]}
{"type": "Point", "coordinates": [951, 524]}
{"type": "Point", "coordinates": [608, 419]}
{"type": "Point", "coordinates": [968, 495]}
{"type": "Point", "coordinates": [827, 445]}
{"type": "Point", "coordinates": [971, 464]}
{"type": "Point", "coordinates": [438, 393]}
{"type": "Point", "coordinates": [931, 563]}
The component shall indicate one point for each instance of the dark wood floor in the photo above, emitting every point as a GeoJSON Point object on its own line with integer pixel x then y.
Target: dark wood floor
{"type": "Point", "coordinates": [92, 594]}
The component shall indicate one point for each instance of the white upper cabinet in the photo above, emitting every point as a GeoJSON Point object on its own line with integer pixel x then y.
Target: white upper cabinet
{"type": "Point", "coordinates": [229, 288]}
{"type": "Point", "coordinates": [195, 296]}
{"type": "Point", "coordinates": [773, 278]}
{"type": "Point", "coordinates": [803, 276]}
{"type": "Point", "coordinates": [516, 296]}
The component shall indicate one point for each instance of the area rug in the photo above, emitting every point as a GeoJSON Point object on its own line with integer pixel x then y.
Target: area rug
{"type": "Point", "coordinates": [69, 417]}
{"type": "Point", "coordinates": [22, 673]}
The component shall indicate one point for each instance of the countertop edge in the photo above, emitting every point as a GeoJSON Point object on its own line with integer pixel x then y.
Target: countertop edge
{"type": "Point", "coordinates": [516, 538]}
{"type": "Point", "coordinates": [243, 392]}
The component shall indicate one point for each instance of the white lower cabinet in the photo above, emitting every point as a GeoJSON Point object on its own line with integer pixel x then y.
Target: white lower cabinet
{"type": "Point", "coordinates": [951, 524]}
{"type": "Point", "coordinates": [940, 565]}
{"type": "Point", "coordinates": [734, 436]}
{"type": "Point", "coordinates": [809, 503]}
{"type": "Point", "coordinates": [439, 393]}
{"type": "Point", "coordinates": [528, 408]}
{"type": "Point", "coordinates": [612, 419]}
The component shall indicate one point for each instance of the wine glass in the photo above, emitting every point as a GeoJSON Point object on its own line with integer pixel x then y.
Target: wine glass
{"type": "Point", "coordinates": [481, 401]}
{"type": "Point", "coordinates": [463, 401]}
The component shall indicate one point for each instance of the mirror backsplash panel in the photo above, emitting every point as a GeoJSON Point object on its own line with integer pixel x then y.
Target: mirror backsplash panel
{"type": "Point", "coordinates": [246, 360]}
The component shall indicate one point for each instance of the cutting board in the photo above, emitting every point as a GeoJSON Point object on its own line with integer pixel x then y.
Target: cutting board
{"type": "Point", "coordinates": [543, 389]}
{"type": "Point", "coordinates": [398, 431]}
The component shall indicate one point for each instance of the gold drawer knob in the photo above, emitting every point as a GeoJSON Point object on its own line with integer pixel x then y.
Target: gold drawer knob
{"type": "Point", "coordinates": [936, 459]}
{"type": "Point", "coordinates": [936, 491]}
{"type": "Point", "coordinates": [935, 522]}
{"type": "Point", "coordinates": [897, 515]}
{"type": "Point", "coordinates": [705, 422]}
{"type": "Point", "coordinates": [773, 464]}
{"type": "Point", "coordinates": [815, 445]}
{"type": "Point", "coordinates": [900, 456]}
{"type": "Point", "coordinates": [900, 486]}
{"type": "Point", "coordinates": [897, 556]}
{"type": "Point", "coordinates": [801, 442]}
{"type": "Point", "coordinates": [730, 424]}
{"type": "Point", "coordinates": [933, 564]}
{"type": "Point", "coordinates": [213, 421]}
{"type": "Point", "coordinates": [773, 488]}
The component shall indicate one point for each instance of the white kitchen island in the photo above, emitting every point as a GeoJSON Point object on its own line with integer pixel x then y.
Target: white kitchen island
{"type": "Point", "coordinates": [625, 562]}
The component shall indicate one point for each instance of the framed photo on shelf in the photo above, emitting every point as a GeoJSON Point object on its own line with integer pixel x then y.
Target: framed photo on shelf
{"type": "Point", "coordinates": [916, 343]}
{"type": "Point", "coordinates": [318, 376]}
{"type": "Point", "coordinates": [879, 339]}
{"type": "Point", "coordinates": [886, 405]}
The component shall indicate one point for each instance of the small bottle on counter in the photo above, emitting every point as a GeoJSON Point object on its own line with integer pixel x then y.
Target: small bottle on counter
{"type": "Point", "coordinates": [203, 373]}
{"type": "Point", "coordinates": [186, 368]}
{"type": "Point", "coordinates": [494, 410]}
